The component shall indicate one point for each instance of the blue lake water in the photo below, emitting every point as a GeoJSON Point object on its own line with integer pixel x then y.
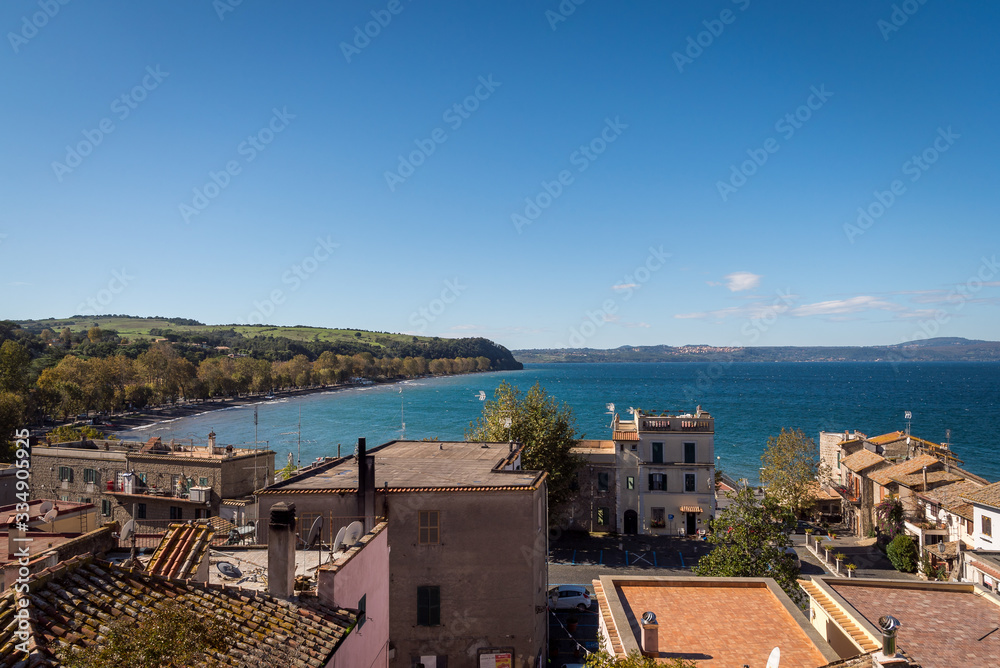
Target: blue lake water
{"type": "Point", "coordinates": [750, 401]}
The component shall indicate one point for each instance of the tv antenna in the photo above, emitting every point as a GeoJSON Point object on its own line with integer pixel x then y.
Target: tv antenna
{"type": "Point", "coordinates": [611, 412]}
{"type": "Point", "coordinates": [907, 415]}
{"type": "Point", "coordinates": [481, 396]}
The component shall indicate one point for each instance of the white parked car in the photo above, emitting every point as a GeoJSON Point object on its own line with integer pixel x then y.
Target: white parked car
{"type": "Point", "coordinates": [567, 597]}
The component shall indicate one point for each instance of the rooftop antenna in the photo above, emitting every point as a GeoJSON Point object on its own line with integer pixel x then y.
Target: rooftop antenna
{"type": "Point", "coordinates": [611, 412]}
{"type": "Point", "coordinates": [947, 439]}
{"type": "Point", "coordinates": [481, 396]}
{"type": "Point", "coordinates": [402, 415]}
{"type": "Point", "coordinates": [907, 415]}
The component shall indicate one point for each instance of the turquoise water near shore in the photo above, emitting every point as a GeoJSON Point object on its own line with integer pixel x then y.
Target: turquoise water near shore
{"type": "Point", "coordinates": [749, 401]}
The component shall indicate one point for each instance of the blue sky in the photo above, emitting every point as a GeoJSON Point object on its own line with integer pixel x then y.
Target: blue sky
{"type": "Point", "coordinates": [723, 172]}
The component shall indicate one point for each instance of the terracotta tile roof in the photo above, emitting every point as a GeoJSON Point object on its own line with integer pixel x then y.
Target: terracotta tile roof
{"type": "Point", "coordinates": [943, 625]}
{"type": "Point", "coordinates": [986, 496]}
{"type": "Point", "coordinates": [884, 476]}
{"type": "Point", "coordinates": [887, 438]}
{"type": "Point", "coordinates": [724, 621]}
{"type": "Point", "coordinates": [933, 477]}
{"type": "Point", "coordinates": [74, 602]}
{"type": "Point", "coordinates": [181, 550]}
{"type": "Point", "coordinates": [821, 492]}
{"type": "Point", "coordinates": [861, 460]}
{"type": "Point", "coordinates": [950, 497]}
{"type": "Point", "coordinates": [619, 435]}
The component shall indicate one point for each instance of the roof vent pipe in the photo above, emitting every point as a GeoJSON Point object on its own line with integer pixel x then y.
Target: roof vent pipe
{"type": "Point", "coordinates": [650, 633]}
{"type": "Point", "coordinates": [889, 625]}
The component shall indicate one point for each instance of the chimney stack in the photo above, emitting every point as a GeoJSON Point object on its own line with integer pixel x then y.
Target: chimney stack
{"type": "Point", "coordinates": [650, 635]}
{"type": "Point", "coordinates": [211, 441]}
{"type": "Point", "coordinates": [366, 486]}
{"type": "Point", "coordinates": [281, 550]}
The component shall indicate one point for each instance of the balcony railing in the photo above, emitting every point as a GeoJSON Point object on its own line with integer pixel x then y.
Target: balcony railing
{"type": "Point", "coordinates": [848, 493]}
{"type": "Point", "coordinates": [676, 424]}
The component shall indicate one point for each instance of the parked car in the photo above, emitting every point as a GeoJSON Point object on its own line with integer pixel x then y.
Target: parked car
{"type": "Point", "coordinates": [567, 597]}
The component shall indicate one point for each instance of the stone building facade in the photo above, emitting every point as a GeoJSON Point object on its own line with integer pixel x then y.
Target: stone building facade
{"type": "Point", "coordinates": [152, 482]}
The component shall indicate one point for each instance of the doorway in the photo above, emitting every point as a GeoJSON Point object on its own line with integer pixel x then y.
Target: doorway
{"type": "Point", "coordinates": [692, 524]}
{"type": "Point", "coordinates": [631, 522]}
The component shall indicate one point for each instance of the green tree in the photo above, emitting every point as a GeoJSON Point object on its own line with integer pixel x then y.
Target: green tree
{"type": "Point", "coordinates": [789, 470]}
{"type": "Point", "coordinates": [12, 414]}
{"type": "Point", "coordinates": [750, 539]}
{"type": "Point", "coordinates": [171, 636]}
{"type": "Point", "coordinates": [95, 334]}
{"type": "Point", "coordinates": [545, 428]}
{"type": "Point", "coordinates": [15, 364]}
{"type": "Point", "coordinates": [902, 552]}
{"type": "Point", "coordinates": [635, 660]}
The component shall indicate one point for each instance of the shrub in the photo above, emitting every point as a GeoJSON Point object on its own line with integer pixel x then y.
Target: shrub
{"type": "Point", "coordinates": [902, 552]}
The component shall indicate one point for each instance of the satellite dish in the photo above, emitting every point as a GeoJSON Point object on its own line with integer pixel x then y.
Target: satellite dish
{"type": "Point", "coordinates": [354, 531]}
{"type": "Point", "coordinates": [338, 542]}
{"type": "Point", "coordinates": [128, 530]}
{"type": "Point", "coordinates": [51, 515]}
{"type": "Point", "coordinates": [772, 661]}
{"type": "Point", "coordinates": [228, 569]}
{"type": "Point", "coordinates": [314, 531]}
{"type": "Point", "coordinates": [46, 507]}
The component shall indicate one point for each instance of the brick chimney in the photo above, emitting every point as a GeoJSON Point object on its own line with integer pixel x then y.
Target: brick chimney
{"type": "Point", "coordinates": [211, 441]}
{"type": "Point", "coordinates": [281, 550]}
{"type": "Point", "coordinates": [650, 635]}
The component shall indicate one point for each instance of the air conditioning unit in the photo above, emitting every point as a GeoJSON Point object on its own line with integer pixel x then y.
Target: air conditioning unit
{"type": "Point", "coordinates": [201, 494]}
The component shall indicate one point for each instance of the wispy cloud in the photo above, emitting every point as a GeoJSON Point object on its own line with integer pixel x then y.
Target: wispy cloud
{"type": "Point", "coordinates": [851, 305]}
{"type": "Point", "coordinates": [625, 286]}
{"type": "Point", "coordinates": [738, 281]}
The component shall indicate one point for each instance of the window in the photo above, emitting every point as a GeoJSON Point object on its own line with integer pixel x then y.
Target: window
{"type": "Point", "coordinates": [105, 507]}
{"type": "Point", "coordinates": [176, 513]}
{"type": "Point", "coordinates": [362, 608]}
{"type": "Point", "coordinates": [987, 526]}
{"type": "Point", "coordinates": [630, 482]}
{"type": "Point", "coordinates": [429, 527]}
{"type": "Point", "coordinates": [65, 474]}
{"type": "Point", "coordinates": [657, 518]}
{"type": "Point", "coordinates": [657, 482]}
{"type": "Point", "coordinates": [689, 452]}
{"type": "Point", "coordinates": [689, 482]}
{"type": "Point", "coordinates": [657, 453]}
{"type": "Point", "coordinates": [64, 497]}
{"type": "Point", "coordinates": [428, 606]}
{"type": "Point", "coordinates": [202, 482]}
{"type": "Point", "coordinates": [602, 516]}
{"type": "Point", "coordinates": [635, 445]}
{"type": "Point", "coordinates": [602, 481]}
{"type": "Point", "coordinates": [141, 511]}
{"type": "Point", "coordinates": [89, 475]}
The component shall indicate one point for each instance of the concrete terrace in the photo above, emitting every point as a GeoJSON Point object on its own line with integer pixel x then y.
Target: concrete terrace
{"type": "Point", "coordinates": [420, 465]}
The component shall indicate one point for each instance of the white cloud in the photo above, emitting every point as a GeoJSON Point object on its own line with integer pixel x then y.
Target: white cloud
{"type": "Point", "coordinates": [741, 280]}
{"type": "Point", "coordinates": [625, 286]}
{"type": "Point", "coordinates": [850, 305]}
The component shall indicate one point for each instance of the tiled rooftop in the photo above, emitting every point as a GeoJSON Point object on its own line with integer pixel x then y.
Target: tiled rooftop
{"type": "Point", "coordinates": [181, 550]}
{"type": "Point", "coordinates": [419, 465]}
{"type": "Point", "coordinates": [944, 625]}
{"type": "Point", "coordinates": [884, 476]}
{"type": "Point", "coordinates": [714, 621]}
{"type": "Point", "coordinates": [62, 508]}
{"type": "Point", "coordinates": [950, 497]}
{"type": "Point", "coordinates": [934, 478]}
{"type": "Point", "coordinates": [986, 496]}
{"type": "Point", "coordinates": [73, 604]}
{"type": "Point", "coordinates": [882, 439]}
{"type": "Point", "coordinates": [861, 460]}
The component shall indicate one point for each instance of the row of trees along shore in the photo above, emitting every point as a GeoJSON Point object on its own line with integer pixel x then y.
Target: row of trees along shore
{"type": "Point", "coordinates": [61, 375]}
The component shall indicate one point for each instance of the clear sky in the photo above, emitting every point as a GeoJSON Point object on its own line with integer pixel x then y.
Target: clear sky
{"type": "Point", "coordinates": [544, 174]}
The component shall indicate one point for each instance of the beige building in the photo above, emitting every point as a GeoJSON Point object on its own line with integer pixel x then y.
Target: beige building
{"type": "Point", "coordinates": [159, 481]}
{"type": "Point", "coordinates": [468, 539]}
{"type": "Point", "coordinates": [663, 476]}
